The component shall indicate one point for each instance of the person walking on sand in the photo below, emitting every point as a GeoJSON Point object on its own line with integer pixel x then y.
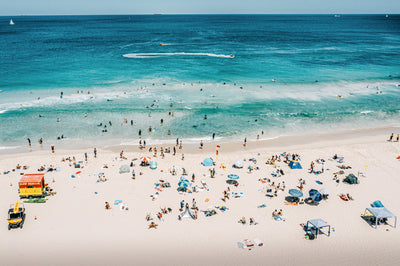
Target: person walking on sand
{"type": "Point", "coordinates": [391, 137]}
{"type": "Point", "coordinates": [52, 148]}
{"type": "Point", "coordinates": [397, 138]}
{"type": "Point", "coordinates": [312, 167]}
{"type": "Point", "coordinates": [140, 132]}
{"type": "Point", "coordinates": [213, 136]}
{"type": "Point", "coordinates": [29, 142]}
{"type": "Point", "coordinates": [95, 152]}
{"type": "Point", "coordinates": [85, 156]}
{"type": "Point", "coordinates": [201, 144]}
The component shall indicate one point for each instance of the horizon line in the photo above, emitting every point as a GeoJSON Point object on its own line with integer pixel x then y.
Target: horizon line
{"type": "Point", "coordinates": [202, 14]}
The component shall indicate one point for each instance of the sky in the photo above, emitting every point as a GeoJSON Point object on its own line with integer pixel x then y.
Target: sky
{"type": "Point", "coordinates": [91, 7]}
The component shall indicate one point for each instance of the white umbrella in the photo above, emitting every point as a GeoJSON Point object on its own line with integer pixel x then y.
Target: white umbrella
{"type": "Point", "coordinates": [324, 191]}
{"type": "Point", "coordinates": [239, 163]}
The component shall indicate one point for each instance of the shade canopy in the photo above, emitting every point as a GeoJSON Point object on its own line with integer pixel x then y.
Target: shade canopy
{"type": "Point", "coordinates": [295, 193]}
{"type": "Point", "coordinates": [381, 213]}
{"type": "Point", "coordinates": [318, 224]}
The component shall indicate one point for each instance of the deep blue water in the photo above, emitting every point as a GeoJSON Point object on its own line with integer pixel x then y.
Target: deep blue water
{"type": "Point", "coordinates": [249, 73]}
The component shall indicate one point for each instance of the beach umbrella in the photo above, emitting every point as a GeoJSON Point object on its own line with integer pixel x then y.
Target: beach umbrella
{"type": "Point", "coordinates": [233, 176]}
{"type": "Point", "coordinates": [295, 193]}
{"type": "Point", "coordinates": [315, 195]}
{"type": "Point", "coordinates": [231, 182]}
{"type": "Point", "coordinates": [324, 191]}
{"type": "Point", "coordinates": [146, 158]}
{"type": "Point", "coordinates": [124, 169]}
{"type": "Point", "coordinates": [183, 183]}
{"type": "Point", "coordinates": [208, 162]}
{"type": "Point", "coordinates": [238, 163]}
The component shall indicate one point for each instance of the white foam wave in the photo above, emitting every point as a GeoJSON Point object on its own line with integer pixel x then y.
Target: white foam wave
{"type": "Point", "coordinates": [152, 55]}
{"type": "Point", "coordinates": [366, 112]}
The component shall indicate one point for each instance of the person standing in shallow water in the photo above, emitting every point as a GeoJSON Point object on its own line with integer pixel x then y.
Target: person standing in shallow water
{"type": "Point", "coordinates": [29, 142]}
{"type": "Point", "coordinates": [213, 136]}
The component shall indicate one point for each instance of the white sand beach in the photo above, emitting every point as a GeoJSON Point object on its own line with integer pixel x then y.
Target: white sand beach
{"type": "Point", "coordinates": [74, 228]}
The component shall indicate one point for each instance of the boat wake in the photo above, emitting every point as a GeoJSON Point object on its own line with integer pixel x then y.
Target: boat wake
{"type": "Point", "coordinates": [152, 55]}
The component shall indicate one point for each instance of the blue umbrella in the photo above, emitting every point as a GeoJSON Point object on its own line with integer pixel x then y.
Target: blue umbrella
{"type": "Point", "coordinates": [233, 176]}
{"type": "Point", "coordinates": [183, 182]}
{"type": "Point", "coordinates": [315, 195]}
{"type": "Point", "coordinates": [295, 193]}
{"type": "Point", "coordinates": [208, 162]}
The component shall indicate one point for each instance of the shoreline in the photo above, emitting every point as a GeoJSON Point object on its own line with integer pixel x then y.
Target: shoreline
{"type": "Point", "coordinates": [228, 145]}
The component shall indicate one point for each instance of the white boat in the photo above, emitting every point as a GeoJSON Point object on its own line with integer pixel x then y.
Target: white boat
{"type": "Point", "coordinates": [11, 22]}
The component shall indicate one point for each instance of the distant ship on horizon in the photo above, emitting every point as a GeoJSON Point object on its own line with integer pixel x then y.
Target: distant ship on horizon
{"type": "Point", "coordinates": [11, 22]}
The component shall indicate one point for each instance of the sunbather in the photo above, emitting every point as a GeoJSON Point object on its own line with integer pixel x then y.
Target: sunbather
{"type": "Point", "coordinates": [108, 206]}
{"type": "Point", "coordinates": [153, 225]}
{"type": "Point", "coordinates": [349, 196]}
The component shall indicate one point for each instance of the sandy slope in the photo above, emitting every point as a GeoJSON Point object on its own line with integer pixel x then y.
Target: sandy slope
{"type": "Point", "coordinates": [73, 227]}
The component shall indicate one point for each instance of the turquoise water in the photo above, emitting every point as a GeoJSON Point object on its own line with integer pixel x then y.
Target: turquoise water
{"type": "Point", "coordinates": [247, 73]}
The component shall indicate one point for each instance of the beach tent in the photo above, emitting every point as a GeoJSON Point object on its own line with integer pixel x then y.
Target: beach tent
{"type": "Point", "coordinates": [153, 165]}
{"type": "Point", "coordinates": [379, 213]}
{"type": "Point", "coordinates": [208, 162]}
{"type": "Point", "coordinates": [124, 169]}
{"type": "Point", "coordinates": [315, 195]}
{"type": "Point", "coordinates": [187, 214]}
{"type": "Point", "coordinates": [317, 225]}
{"type": "Point", "coordinates": [295, 165]}
{"type": "Point", "coordinates": [351, 179]}
{"type": "Point", "coordinates": [238, 163]}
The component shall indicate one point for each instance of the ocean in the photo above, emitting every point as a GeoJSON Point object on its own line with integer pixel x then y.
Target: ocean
{"type": "Point", "coordinates": [271, 75]}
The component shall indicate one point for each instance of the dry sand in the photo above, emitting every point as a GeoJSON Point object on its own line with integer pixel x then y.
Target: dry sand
{"type": "Point", "coordinates": [73, 227]}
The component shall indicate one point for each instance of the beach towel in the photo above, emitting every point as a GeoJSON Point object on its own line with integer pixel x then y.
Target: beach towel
{"type": "Point", "coordinates": [319, 182]}
{"type": "Point", "coordinates": [262, 206]}
{"type": "Point", "coordinates": [291, 203]}
{"type": "Point", "coordinates": [116, 202]}
{"type": "Point", "coordinates": [241, 245]}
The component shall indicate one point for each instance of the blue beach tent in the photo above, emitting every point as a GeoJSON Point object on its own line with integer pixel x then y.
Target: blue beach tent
{"type": "Point", "coordinates": [295, 165]}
